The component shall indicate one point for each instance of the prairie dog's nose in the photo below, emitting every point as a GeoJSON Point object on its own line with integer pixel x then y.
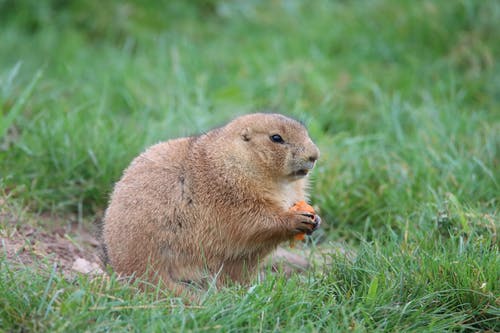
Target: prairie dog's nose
{"type": "Point", "coordinates": [314, 155]}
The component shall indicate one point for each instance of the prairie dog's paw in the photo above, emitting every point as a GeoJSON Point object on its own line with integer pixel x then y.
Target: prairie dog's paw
{"type": "Point", "coordinates": [302, 223]}
{"type": "Point", "coordinates": [305, 209]}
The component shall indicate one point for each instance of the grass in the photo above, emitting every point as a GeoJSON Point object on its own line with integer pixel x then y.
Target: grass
{"type": "Point", "coordinates": [402, 99]}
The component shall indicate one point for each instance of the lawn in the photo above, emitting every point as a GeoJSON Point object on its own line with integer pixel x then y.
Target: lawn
{"type": "Point", "coordinates": [402, 99]}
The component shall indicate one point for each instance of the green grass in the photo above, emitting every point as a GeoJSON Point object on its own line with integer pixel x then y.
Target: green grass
{"type": "Point", "coordinates": [401, 97]}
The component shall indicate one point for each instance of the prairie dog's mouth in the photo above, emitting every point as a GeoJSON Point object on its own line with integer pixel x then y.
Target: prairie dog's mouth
{"type": "Point", "coordinates": [300, 173]}
{"type": "Point", "coordinates": [302, 170]}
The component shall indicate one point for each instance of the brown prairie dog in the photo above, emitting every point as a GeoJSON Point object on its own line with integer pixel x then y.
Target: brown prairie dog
{"type": "Point", "coordinates": [211, 205]}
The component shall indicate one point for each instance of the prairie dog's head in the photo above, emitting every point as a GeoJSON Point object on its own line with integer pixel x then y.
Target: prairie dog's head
{"type": "Point", "coordinates": [273, 145]}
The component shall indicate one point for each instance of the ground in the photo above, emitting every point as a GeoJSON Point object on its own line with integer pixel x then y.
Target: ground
{"type": "Point", "coordinates": [71, 246]}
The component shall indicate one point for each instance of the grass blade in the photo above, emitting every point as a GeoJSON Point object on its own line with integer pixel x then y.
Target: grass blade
{"type": "Point", "coordinates": [6, 122]}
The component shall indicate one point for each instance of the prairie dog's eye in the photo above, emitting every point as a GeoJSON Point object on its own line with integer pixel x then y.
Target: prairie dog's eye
{"type": "Point", "coordinates": [277, 138]}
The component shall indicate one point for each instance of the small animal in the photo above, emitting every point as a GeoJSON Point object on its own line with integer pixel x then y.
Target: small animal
{"type": "Point", "coordinates": [211, 206]}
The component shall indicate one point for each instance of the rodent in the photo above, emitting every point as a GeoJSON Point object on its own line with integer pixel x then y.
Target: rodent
{"type": "Point", "coordinates": [211, 206]}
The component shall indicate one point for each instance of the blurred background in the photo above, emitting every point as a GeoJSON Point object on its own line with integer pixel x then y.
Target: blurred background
{"type": "Point", "coordinates": [402, 98]}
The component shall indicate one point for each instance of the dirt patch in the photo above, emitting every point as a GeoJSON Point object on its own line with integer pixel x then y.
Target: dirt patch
{"type": "Point", "coordinates": [73, 248]}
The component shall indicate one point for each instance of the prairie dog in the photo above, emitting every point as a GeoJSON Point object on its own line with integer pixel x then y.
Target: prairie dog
{"type": "Point", "coordinates": [212, 205]}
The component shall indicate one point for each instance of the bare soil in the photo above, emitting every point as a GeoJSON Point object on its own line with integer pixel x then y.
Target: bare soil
{"type": "Point", "coordinates": [26, 239]}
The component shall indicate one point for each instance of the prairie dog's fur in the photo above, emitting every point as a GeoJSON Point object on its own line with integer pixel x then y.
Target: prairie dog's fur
{"type": "Point", "coordinates": [211, 205]}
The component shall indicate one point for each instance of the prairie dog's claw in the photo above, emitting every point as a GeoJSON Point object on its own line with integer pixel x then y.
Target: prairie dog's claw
{"type": "Point", "coordinates": [309, 215]}
{"type": "Point", "coordinates": [317, 219]}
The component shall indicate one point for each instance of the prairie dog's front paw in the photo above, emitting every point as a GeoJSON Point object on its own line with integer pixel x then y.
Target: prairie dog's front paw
{"type": "Point", "coordinates": [305, 209]}
{"type": "Point", "coordinates": [303, 223]}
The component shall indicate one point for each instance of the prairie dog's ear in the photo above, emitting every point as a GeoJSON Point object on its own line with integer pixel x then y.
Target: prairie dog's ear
{"type": "Point", "coordinates": [245, 134]}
